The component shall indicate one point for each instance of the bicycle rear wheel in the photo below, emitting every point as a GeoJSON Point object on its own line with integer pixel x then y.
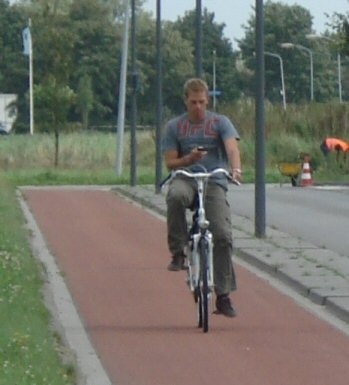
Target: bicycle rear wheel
{"type": "Point", "coordinates": [203, 301]}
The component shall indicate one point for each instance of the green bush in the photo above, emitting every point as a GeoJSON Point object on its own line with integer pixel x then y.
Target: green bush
{"type": "Point", "coordinates": [288, 135]}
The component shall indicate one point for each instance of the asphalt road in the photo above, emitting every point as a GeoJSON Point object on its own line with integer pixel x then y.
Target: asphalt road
{"type": "Point", "coordinates": [319, 215]}
{"type": "Point", "coordinates": [141, 318]}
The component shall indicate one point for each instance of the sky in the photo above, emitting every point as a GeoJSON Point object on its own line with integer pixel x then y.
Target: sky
{"type": "Point", "coordinates": [234, 13]}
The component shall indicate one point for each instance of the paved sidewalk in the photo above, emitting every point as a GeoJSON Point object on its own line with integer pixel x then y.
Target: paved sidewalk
{"type": "Point", "coordinates": [318, 274]}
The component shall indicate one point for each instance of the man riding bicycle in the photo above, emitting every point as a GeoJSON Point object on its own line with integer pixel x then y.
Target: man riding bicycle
{"type": "Point", "coordinates": [202, 140]}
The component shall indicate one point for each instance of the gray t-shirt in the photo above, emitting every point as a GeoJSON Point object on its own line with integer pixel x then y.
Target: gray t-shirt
{"type": "Point", "coordinates": [182, 135]}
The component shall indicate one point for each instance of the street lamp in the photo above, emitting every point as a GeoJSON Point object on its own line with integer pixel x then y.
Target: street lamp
{"type": "Point", "coordinates": [283, 91]}
{"type": "Point", "coordinates": [301, 47]}
{"type": "Point", "coordinates": [198, 39]}
{"type": "Point", "coordinates": [122, 94]}
{"type": "Point", "coordinates": [214, 79]}
{"type": "Point", "coordinates": [339, 66]}
{"type": "Point", "coordinates": [133, 140]}
{"type": "Point", "coordinates": [339, 74]}
{"type": "Point", "coordinates": [158, 163]}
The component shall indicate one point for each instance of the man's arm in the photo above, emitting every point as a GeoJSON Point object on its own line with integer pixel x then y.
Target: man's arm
{"type": "Point", "coordinates": [233, 153]}
{"type": "Point", "coordinates": [173, 161]}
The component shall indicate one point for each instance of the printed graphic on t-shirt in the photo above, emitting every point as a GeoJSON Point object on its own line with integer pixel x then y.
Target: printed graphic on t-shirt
{"type": "Point", "coordinates": [205, 129]}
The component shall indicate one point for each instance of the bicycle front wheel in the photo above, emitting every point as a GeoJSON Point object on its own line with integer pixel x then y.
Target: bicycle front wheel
{"type": "Point", "coordinates": [203, 302]}
{"type": "Point", "coordinates": [199, 307]}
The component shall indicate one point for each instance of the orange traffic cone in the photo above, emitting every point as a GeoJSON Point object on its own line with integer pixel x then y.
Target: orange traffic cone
{"type": "Point", "coordinates": [306, 179]}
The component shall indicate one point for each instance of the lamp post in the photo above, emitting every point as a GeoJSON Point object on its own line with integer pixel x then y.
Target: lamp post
{"type": "Point", "coordinates": [282, 75]}
{"type": "Point", "coordinates": [260, 125]}
{"type": "Point", "coordinates": [214, 79]}
{"type": "Point", "coordinates": [339, 65]}
{"type": "Point", "coordinates": [198, 40]}
{"type": "Point", "coordinates": [310, 53]}
{"type": "Point", "coordinates": [133, 142]}
{"type": "Point", "coordinates": [158, 163]}
{"type": "Point", "coordinates": [339, 74]}
{"type": "Point", "coordinates": [122, 94]}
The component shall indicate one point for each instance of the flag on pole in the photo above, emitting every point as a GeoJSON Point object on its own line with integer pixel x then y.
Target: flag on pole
{"type": "Point", "coordinates": [27, 41]}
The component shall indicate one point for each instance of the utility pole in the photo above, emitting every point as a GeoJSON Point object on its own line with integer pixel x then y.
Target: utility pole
{"type": "Point", "coordinates": [260, 141]}
{"type": "Point", "coordinates": [198, 40]}
{"type": "Point", "coordinates": [122, 95]}
{"type": "Point", "coordinates": [133, 143]}
{"type": "Point", "coordinates": [158, 163]}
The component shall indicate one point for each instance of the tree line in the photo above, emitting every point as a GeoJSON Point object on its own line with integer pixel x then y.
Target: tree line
{"type": "Point", "coordinates": [77, 57]}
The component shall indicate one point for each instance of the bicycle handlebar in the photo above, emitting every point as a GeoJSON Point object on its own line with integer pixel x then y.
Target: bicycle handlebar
{"type": "Point", "coordinates": [198, 175]}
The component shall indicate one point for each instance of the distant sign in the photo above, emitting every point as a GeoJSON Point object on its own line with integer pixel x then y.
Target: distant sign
{"type": "Point", "coordinates": [215, 93]}
{"type": "Point", "coordinates": [8, 111]}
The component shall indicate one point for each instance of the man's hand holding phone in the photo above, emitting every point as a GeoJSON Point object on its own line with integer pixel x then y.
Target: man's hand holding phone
{"type": "Point", "coordinates": [203, 148]}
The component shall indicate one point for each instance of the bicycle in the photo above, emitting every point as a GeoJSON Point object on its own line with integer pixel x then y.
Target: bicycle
{"type": "Point", "coordinates": [200, 273]}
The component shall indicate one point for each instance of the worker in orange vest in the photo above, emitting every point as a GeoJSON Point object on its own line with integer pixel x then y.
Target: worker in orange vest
{"type": "Point", "coordinates": [335, 144]}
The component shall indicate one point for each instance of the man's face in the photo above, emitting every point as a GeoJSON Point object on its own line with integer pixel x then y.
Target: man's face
{"type": "Point", "coordinates": [196, 103]}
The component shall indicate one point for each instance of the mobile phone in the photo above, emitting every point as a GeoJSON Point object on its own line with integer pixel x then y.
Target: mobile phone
{"type": "Point", "coordinates": [202, 148]}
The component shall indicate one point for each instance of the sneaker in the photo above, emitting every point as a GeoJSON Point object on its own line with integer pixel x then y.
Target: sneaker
{"type": "Point", "coordinates": [177, 263]}
{"type": "Point", "coordinates": [224, 306]}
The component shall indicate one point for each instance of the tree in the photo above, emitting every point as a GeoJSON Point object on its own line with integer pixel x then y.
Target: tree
{"type": "Point", "coordinates": [290, 24]}
{"type": "Point", "coordinates": [84, 99]}
{"type": "Point", "coordinates": [177, 65]}
{"type": "Point", "coordinates": [12, 61]}
{"type": "Point", "coordinates": [74, 38]}
{"type": "Point", "coordinates": [340, 25]}
{"type": "Point", "coordinates": [14, 71]}
{"type": "Point", "coordinates": [53, 102]}
{"type": "Point", "coordinates": [96, 52]}
{"type": "Point", "coordinates": [213, 40]}
{"type": "Point", "coordinates": [53, 47]}
{"type": "Point", "coordinates": [53, 44]}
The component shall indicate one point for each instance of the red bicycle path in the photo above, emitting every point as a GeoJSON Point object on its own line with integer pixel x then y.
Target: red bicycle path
{"type": "Point", "coordinates": [141, 318]}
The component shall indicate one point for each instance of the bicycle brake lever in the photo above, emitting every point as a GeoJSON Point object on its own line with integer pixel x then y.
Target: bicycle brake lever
{"type": "Point", "coordinates": [236, 182]}
{"type": "Point", "coordinates": [233, 181]}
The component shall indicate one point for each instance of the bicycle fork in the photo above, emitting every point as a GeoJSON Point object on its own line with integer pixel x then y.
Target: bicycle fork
{"type": "Point", "coordinates": [195, 263]}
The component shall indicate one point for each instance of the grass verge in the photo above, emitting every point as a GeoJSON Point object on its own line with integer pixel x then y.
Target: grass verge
{"type": "Point", "coordinates": [30, 352]}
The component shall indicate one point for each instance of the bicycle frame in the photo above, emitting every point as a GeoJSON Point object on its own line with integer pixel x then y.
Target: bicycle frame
{"type": "Point", "coordinates": [200, 246]}
{"type": "Point", "coordinates": [199, 230]}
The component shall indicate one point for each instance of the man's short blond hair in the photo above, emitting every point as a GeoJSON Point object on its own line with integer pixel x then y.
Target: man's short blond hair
{"type": "Point", "coordinates": [195, 85]}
